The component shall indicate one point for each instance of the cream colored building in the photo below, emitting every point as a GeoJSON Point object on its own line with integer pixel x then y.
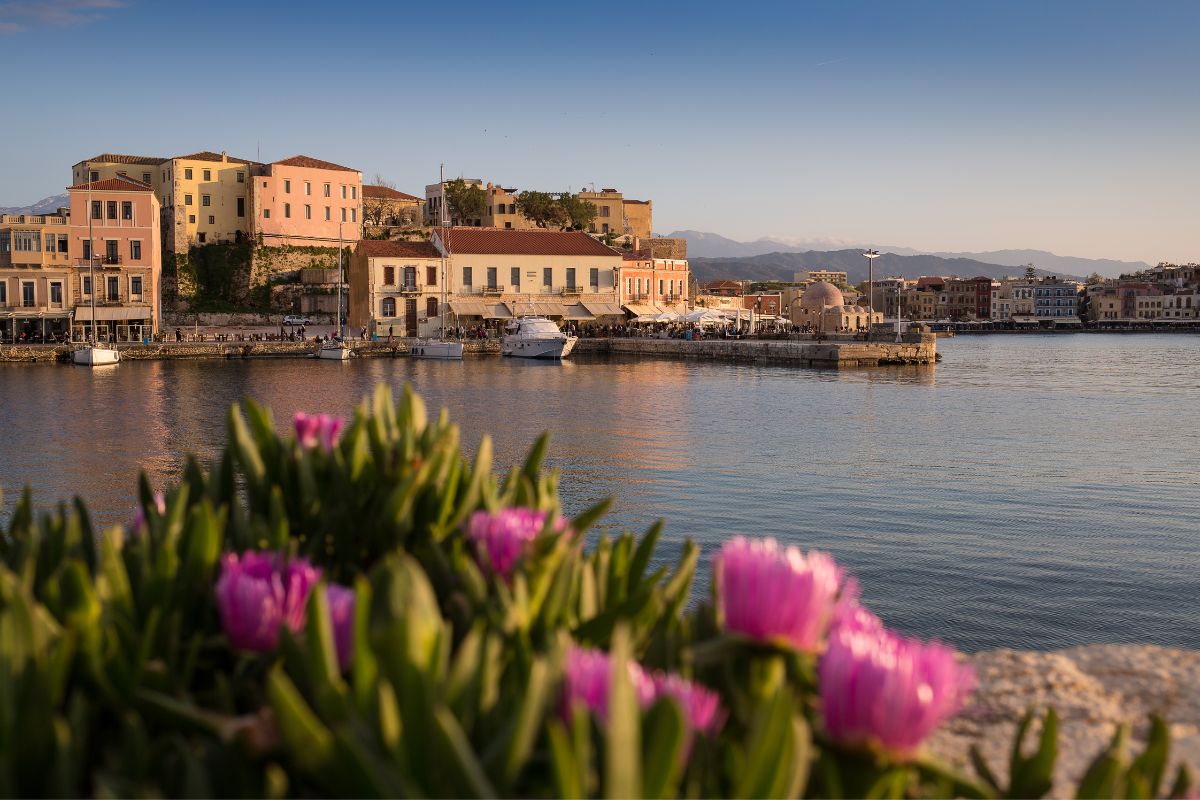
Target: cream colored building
{"type": "Point", "coordinates": [144, 169]}
{"type": "Point", "coordinates": [207, 197]}
{"type": "Point", "coordinates": [396, 288]}
{"type": "Point", "coordinates": [615, 214]}
{"type": "Point", "coordinates": [496, 274]}
{"type": "Point", "coordinates": [501, 211]}
{"type": "Point", "coordinates": [829, 276]}
{"type": "Point", "coordinates": [36, 290]}
{"type": "Point", "coordinates": [823, 309]}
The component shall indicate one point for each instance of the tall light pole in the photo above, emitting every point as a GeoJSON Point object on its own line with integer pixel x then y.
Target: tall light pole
{"type": "Point", "coordinates": [870, 255]}
{"type": "Point", "coordinates": [898, 339]}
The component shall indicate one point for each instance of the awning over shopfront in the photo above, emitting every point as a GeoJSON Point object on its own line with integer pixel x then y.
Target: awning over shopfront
{"type": "Point", "coordinates": [468, 308]}
{"type": "Point", "coordinates": [599, 309]}
{"type": "Point", "coordinates": [496, 311]}
{"type": "Point", "coordinates": [1024, 319]}
{"type": "Point", "coordinates": [579, 312]}
{"type": "Point", "coordinates": [1067, 321]}
{"type": "Point", "coordinates": [643, 310]}
{"type": "Point", "coordinates": [114, 313]}
{"type": "Point", "coordinates": [545, 309]}
{"type": "Point", "coordinates": [18, 314]}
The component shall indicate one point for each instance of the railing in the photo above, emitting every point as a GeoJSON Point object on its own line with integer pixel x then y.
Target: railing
{"type": "Point", "coordinates": [571, 290]}
{"type": "Point", "coordinates": [409, 288]}
{"type": "Point", "coordinates": [492, 290]}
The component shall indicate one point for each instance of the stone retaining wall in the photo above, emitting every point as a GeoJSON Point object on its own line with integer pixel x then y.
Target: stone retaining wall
{"type": "Point", "coordinates": [917, 349]}
{"type": "Point", "coordinates": [184, 351]}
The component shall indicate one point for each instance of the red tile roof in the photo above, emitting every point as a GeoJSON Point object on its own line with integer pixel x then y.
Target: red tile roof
{"type": "Point", "coordinates": [112, 185]}
{"type": "Point", "coordinates": [639, 202]}
{"type": "Point", "coordinates": [535, 242]}
{"type": "Point", "coordinates": [315, 163]}
{"type": "Point", "coordinates": [387, 193]}
{"type": "Point", "coordinates": [384, 248]}
{"type": "Point", "coordinates": [116, 158]}
{"type": "Point", "coordinates": [208, 155]}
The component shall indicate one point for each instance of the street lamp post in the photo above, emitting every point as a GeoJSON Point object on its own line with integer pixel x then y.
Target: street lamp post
{"type": "Point", "coordinates": [898, 339]}
{"type": "Point", "coordinates": [870, 255]}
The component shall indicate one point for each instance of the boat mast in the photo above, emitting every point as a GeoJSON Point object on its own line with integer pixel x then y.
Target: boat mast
{"type": "Point", "coordinates": [91, 251]}
{"type": "Point", "coordinates": [339, 324]}
{"type": "Point", "coordinates": [442, 250]}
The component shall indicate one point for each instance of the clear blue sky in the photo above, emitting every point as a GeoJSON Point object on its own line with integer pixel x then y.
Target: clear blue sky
{"type": "Point", "coordinates": [966, 125]}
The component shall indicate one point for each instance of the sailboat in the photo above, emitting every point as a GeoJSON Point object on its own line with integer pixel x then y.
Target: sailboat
{"type": "Point", "coordinates": [93, 354]}
{"type": "Point", "coordinates": [443, 348]}
{"type": "Point", "coordinates": [337, 349]}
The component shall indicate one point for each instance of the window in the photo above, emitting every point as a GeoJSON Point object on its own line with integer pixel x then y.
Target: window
{"type": "Point", "coordinates": [145, 177]}
{"type": "Point", "coordinates": [629, 286]}
{"type": "Point", "coordinates": [241, 177]}
{"type": "Point", "coordinates": [87, 285]}
{"type": "Point", "coordinates": [56, 294]}
{"type": "Point", "coordinates": [112, 209]}
{"type": "Point", "coordinates": [353, 192]}
{"type": "Point", "coordinates": [547, 277]}
{"type": "Point", "coordinates": [660, 287]}
{"type": "Point", "coordinates": [343, 191]}
{"type": "Point", "coordinates": [114, 287]}
{"type": "Point", "coordinates": [208, 174]}
{"type": "Point", "coordinates": [266, 213]}
{"type": "Point", "coordinates": [87, 250]}
{"type": "Point", "coordinates": [431, 307]}
{"type": "Point", "coordinates": [49, 242]}
{"type": "Point", "coordinates": [308, 187]}
{"type": "Point", "coordinates": [389, 307]}
{"type": "Point", "coordinates": [604, 228]}
{"type": "Point", "coordinates": [604, 211]}
{"type": "Point", "coordinates": [212, 220]}
{"type": "Point", "coordinates": [354, 215]}
{"type": "Point", "coordinates": [135, 286]}
{"type": "Point", "coordinates": [327, 213]}
{"type": "Point", "coordinates": [389, 276]}
{"type": "Point", "coordinates": [327, 190]}
{"type": "Point", "coordinates": [410, 277]}
{"type": "Point", "coordinates": [27, 298]}
{"type": "Point", "coordinates": [287, 210]}
{"type": "Point", "coordinates": [343, 215]}
{"type": "Point", "coordinates": [126, 209]}
{"type": "Point", "coordinates": [191, 219]}
{"type": "Point", "coordinates": [110, 252]}
{"type": "Point", "coordinates": [467, 277]}
{"type": "Point", "coordinates": [594, 278]}
{"type": "Point", "coordinates": [571, 278]}
{"type": "Point", "coordinates": [307, 211]}
{"type": "Point", "coordinates": [3, 293]}
{"type": "Point", "coordinates": [241, 206]}
{"type": "Point", "coordinates": [431, 276]}
{"type": "Point", "coordinates": [206, 200]}
{"type": "Point", "coordinates": [187, 199]}
{"type": "Point", "coordinates": [27, 242]}
{"type": "Point", "coordinates": [187, 173]}
{"type": "Point", "coordinates": [287, 187]}
{"type": "Point", "coordinates": [515, 276]}
{"type": "Point", "coordinates": [202, 237]}
{"type": "Point", "coordinates": [64, 243]}
{"type": "Point", "coordinates": [135, 249]}
{"type": "Point", "coordinates": [491, 277]}
{"type": "Point", "coordinates": [93, 176]}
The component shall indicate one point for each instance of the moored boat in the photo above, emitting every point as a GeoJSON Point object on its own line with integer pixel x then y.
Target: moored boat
{"type": "Point", "coordinates": [536, 337]}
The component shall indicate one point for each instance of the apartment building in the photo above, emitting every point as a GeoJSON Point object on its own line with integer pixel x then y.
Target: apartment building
{"type": "Point", "coordinates": [304, 201]}
{"type": "Point", "coordinates": [651, 284]}
{"type": "Point", "coordinates": [385, 206]}
{"type": "Point", "coordinates": [435, 203]}
{"type": "Point", "coordinates": [206, 196]}
{"type": "Point", "coordinates": [117, 258]}
{"type": "Point", "coordinates": [144, 169]}
{"type": "Point", "coordinates": [829, 276]}
{"type": "Point", "coordinates": [616, 214]}
{"type": "Point", "coordinates": [396, 288]}
{"type": "Point", "coordinates": [1055, 299]}
{"type": "Point", "coordinates": [495, 274]}
{"type": "Point", "coordinates": [35, 277]}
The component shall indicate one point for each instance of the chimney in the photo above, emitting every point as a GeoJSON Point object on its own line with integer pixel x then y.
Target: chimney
{"type": "Point", "coordinates": [224, 158]}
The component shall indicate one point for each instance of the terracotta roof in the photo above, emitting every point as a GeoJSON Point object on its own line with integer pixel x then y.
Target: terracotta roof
{"type": "Point", "coordinates": [722, 284]}
{"type": "Point", "coordinates": [384, 248]}
{"type": "Point", "coordinates": [387, 193]}
{"type": "Point", "coordinates": [315, 163]}
{"type": "Point", "coordinates": [113, 185]}
{"type": "Point", "coordinates": [535, 242]}
{"type": "Point", "coordinates": [116, 158]}
{"type": "Point", "coordinates": [639, 202]}
{"type": "Point", "coordinates": [208, 155]}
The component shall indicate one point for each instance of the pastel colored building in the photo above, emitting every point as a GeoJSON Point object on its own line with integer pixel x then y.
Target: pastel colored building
{"type": "Point", "coordinates": [497, 274]}
{"type": "Point", "coordinates": [823, 309]}
{"type": "Point", "coordinates": [301, 201]}
{"type": "Point", "coordinates": [501, 210]}
{"type": "Point", "coordinates": [615, 214]}
{"type": "Point", "coordinates": [122, 252]}
{"type": "Point", "coordinates": [654, 278]}
{"type": "Point", "coordinates": [35, 277]}
{"type": "Point", "coordinates": [207, 197]}
{"type": "Point", "coordinates": [144, 169]}
{"type": "Point", "coordinates": [435, 204]}
{"type": "Point", "coordinates": [396, 288]}
{"type": "Point", "coordinates": [385, 206]}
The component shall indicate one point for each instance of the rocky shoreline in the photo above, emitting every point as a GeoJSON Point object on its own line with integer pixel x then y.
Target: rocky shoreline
{"type": "Point", "coordinates": [1093, 689]}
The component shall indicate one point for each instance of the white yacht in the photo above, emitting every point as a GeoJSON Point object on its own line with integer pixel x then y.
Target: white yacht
{"type": "Point", "coordinates": [536, 337]}
{"type": "Point", "coordinates": [431, 348]}
{"type": "Point", "coordinates": [95, 355]}
{"type": "Point", "coordinates": [336, 348]}
{"type": "Point", "coordinates": [334, 351]}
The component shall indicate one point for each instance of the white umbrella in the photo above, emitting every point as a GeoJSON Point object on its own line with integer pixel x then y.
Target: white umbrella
{"type": "Point", "coordinates": [667, 316]}
{"type": "Point", "coordinates": [705, 316]}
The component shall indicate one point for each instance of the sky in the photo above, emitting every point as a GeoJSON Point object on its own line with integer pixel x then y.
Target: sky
{"type": "Point", "coordinates": [965, 126]}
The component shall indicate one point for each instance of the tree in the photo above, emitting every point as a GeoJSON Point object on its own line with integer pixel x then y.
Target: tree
{"type": "Point", "coordinates": [1030, 272]}
{"type": "Point", "coordinates": [580, 213]}
{"type": "Point", "coordinates": [375, 209]}
{"type": "Point", "coordinates": [465, 201]}
{"type": "Point", "coordinates": [540, 208]}
{"type": "Point", "coordinates": [1095, 278]}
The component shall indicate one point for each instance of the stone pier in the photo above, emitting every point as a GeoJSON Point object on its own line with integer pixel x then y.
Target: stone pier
{"type": "Point", "coordinates": [840, 354]}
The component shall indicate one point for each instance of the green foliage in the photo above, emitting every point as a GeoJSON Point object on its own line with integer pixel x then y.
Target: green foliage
{"type": "Point", "coordinates": [220, 271]}
{"type": "Point", "coordinates": [116, 677]}
{"type": "Point", "coordinates": [565, 211]}
{"type": "Point", "coordinates": [465, 201]}
{"type": "Point", "coordinates": [580, 213]}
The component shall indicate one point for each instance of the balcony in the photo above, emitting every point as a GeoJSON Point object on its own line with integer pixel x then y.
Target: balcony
{"type": "Point", "coordinates": [99, 261]}
{"type": "Point", "coordinates": [571, 290]}
{"type": "Point", "coordinates": [492, 291]}
{"type": "Point", "coordinates": [409, 288]}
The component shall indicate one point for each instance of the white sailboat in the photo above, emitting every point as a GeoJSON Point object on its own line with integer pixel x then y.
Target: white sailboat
{"type": "Point", "coordinates": [93, 354]}
{"type": "Point", "coordinates": [443, 348]}
{"type": "Point", "coordinates": [337, 349]}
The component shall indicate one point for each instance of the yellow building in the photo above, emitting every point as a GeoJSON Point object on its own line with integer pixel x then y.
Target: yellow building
{"type": "Point", "coordinates": [395, 288]}
{"type": "Point", "coordinates": [144, 169]}
{"type": "Point", "coordinates": [35, 277]}
{"type": "Point", "coordinates": [206, 196]}
{"type": "Point", "coordinates": [616, 214]}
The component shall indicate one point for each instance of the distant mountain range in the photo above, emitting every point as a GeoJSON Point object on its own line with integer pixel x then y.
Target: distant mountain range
{"type": "Point", "coordinates": [713, 245]}
{"type": "Point", "coordinates": [47, 205]}
{"type": "Point", "coordinates": [783, 266]}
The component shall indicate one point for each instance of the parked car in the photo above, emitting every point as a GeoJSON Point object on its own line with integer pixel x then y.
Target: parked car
{"type": "Point", "coordinates": [296, 319]}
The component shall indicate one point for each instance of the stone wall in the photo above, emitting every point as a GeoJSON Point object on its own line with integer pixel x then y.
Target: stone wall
{"type": "Point", "coordinates": [916, 349]}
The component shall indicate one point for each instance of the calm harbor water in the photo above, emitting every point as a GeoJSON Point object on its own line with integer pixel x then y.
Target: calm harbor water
{"type": "Point", "coordinates": [1029, 491]}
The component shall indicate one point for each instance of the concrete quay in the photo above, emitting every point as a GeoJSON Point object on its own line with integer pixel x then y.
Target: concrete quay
{"type": "Point", "coordinates": [191, 351]}
{"type": "Point", "coordinates": [838, 354]}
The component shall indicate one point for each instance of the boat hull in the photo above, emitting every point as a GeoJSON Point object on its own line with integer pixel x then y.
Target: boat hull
{"type": "Point", "coordinates": [447, 351]}
{"type": "Point", "coordinates": [334, 353]}
{"type": "Point", "coordinates": [545, 348]}
{"type": "Point", "coordinates": [95, 356]}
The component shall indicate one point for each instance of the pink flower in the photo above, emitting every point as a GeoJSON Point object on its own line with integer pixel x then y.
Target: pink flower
{"type": "Point", "coordinates": [586, 684]}
{"type": "Point", "coordinates": [879, 689]}
{"type": "Point", "coordinates": [701, 706]}
{"type": "Point", "coordinates": [139, 516]}
{"type": "Point", "coordinates": [341, 613]}
{"type": "Point", "coordinates": [849, 614]}
{"type": "Point", "coordinates": [312, 430]}
{"type": "Point", "coordinates": [259, 592]}
{"type": "Point", "coordinates": [776, 594]}
{"type": "Point", "coordinates": [503, 538]}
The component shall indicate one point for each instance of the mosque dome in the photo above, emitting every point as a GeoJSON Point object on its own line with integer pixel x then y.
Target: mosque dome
{"type": "Point", "coordinates": [822, 294]}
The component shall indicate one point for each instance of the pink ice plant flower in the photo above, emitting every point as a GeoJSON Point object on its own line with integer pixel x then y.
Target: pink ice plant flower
{"type": "Point", "coordinates": [587, 684]}
{"type": "Point", "coordinates": [503, 538]}
{"type": "Point", "coordinates": [139, 516]}
{"type": "Point", "coordinates": [880, 690]}
{"type": "Point", "coordinates": [317, 429]}
{"type": "Point", "coordinates": [341, 614]}
{"type": "Point", "coordinates": [260, 592]}
{"type": "Point", "coordinates": [777, 594]}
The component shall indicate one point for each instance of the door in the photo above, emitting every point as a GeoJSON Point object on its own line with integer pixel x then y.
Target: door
{"type": "Point", "coordinates": [410, 317]}
{"type": "Point", "coordinates": [110, 252]}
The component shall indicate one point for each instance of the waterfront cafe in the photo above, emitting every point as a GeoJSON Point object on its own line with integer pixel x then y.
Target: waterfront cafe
{"type": "Point", "coordinates": [35, 326]}
{"type": "Point", "coordinates": [113, 323]}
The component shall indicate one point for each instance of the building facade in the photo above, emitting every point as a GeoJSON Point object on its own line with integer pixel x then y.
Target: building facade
{"type": "Point", "coordinates": [35, 277]}
{"type": "Point", "coordinates": [385, 206]}
{"type": "Point", "coordinates": [303, 201]}
{"type": "Point", "coordinates": [206, 198]}
{"type": "Point", "coordinates": [435, 204]}
{"type": "Point", "coordinates": [617, 215]}
{"type": "Point", "coordinates": [1055, 299]}
{"type": "Point", "coordinates": [396, 288]}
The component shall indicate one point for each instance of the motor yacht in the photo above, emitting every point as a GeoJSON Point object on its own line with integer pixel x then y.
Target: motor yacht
{"type": "Point", "coordinates": [536, 337]}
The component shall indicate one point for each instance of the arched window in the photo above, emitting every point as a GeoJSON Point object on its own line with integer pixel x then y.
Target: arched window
{"type": "Point", "coordinates": [431, 307]}
{"type": "Point", "coordinates": [389, 306]}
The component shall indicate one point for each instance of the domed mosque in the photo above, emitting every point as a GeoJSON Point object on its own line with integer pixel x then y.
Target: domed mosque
{"type": "Point", "coordinates": [823, 308]}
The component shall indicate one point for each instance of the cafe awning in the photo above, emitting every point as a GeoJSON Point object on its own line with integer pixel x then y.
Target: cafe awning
{"type": "Point", "coordinates": [603, 309]}
{"type": "Point", "coordinates": [578, 311]}
{"type": "Point", "coordinates": [544, 309]}
{"type": "Point", "coordinates": [1067, 321]}
{"type": "Point", "coordinates": [496, 311]}
{"type": "Point", "coordinates": [114, 312]}
{"type": "Point", "coordinates": [468, 308]}
{"type": "Point", "coordinates": [642, 310]}
{"type": "Point", "coordinates": [18, 314]}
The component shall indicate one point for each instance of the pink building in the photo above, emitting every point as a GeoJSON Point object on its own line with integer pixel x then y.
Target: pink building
{"type": "Point", "coordinates": [302, 200]}
{"type": "Point", "coordinates": [122, 252]}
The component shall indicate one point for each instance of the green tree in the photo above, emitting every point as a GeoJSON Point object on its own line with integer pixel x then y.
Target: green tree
{"type": "Point", "coordinates": [541, 208]}
{"type": "Point", "coordinates": [1095, 278]}
{"type": "Point", "coordinates": [580, 213]}
{"type": "Point", "coordinates": [1030, 272]}
{"type": "Point", "coordinates": [465, 201]}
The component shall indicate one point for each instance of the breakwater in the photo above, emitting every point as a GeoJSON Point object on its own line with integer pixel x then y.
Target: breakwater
{"type": "Point", "coordinates": [915, 349]}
